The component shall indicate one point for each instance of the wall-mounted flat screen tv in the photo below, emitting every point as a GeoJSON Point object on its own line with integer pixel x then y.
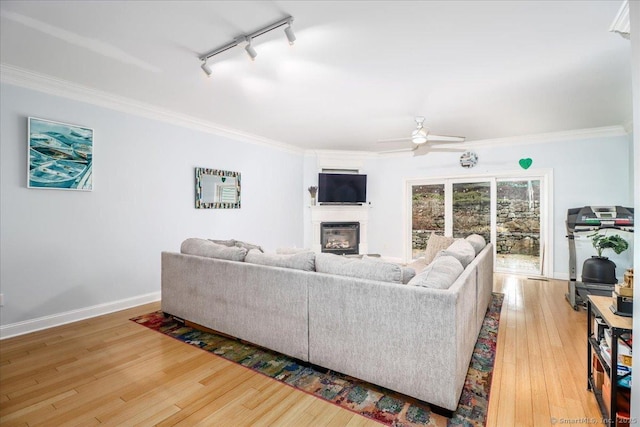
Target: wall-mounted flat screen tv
{"type": "Point", "coordinates": [342, 188]}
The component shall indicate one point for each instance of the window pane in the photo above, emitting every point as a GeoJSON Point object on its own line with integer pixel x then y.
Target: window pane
{"type": "Point", "coordinates": [472, 209]}
{"type": "Point", "coordinates": [427, 208]}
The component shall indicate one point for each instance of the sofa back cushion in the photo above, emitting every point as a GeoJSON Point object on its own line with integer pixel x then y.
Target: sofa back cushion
{"type": "Point", "coordinates": [289, 251]}
{"type": "Point", "coordinates": [434, 245]}
{"type": "Point", "coordinates": [300, 261]}
{"type": "Point", "coordinates": [440, 274]}
{"type": "Point", "coordinates": [477, 241]}
{"type": "Point", "coordinates": [362, 269]}
{"type": "Point", "coordinates": [460, 249]}
{"type": "Point", "coordinates": [407, 273]}
{"type": "Point", "coordinates": [204, 247]}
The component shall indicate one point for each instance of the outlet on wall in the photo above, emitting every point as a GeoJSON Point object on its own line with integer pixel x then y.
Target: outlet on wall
{"type": "Point", "coordinates": [1, 300]}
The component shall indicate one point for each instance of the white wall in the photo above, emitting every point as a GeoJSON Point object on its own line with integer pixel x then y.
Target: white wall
{"type": "Point", "coordinates": [68, 250]}
{"type": "Point", "coordinates": [588, 171]}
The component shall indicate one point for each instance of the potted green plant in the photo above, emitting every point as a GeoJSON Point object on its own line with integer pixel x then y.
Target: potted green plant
{"type": "Point", "coordinates": [600, 269]}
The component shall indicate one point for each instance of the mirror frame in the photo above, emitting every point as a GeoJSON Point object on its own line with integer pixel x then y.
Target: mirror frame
{"type": "Point", "coordinates": [201, 204]}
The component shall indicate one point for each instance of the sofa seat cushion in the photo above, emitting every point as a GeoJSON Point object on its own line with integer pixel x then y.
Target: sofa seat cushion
{"type": "Point", "coordinates": [460, 249]}
{"type": "Point", "coordinates": [206, 248]}
{"type": "Point", "coordinates": [440, 274]}
{"type": "Point", "coordinates": [477, 241]}
{"type": "Point", "coordinates": [360, 268]}
{"type": "Point", "coordinates": [434, 245]}
{"type": "Point", "coordinates": [300, 261]}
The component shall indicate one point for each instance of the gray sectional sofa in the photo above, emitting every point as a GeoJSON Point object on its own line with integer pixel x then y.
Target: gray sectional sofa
{"type": "Point", "coordinates": [415, 340]}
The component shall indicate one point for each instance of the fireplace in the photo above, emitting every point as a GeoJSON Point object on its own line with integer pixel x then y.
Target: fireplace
{"type": "Point", "coordinates": [340, 238]}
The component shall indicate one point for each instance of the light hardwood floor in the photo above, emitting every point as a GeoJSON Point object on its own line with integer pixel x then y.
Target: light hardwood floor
{"type": "Point", "coordinates": [108, 370]}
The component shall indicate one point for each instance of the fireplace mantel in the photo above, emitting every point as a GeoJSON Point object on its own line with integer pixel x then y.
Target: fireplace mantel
{"type": "Point", "coordinates": [339, 213]}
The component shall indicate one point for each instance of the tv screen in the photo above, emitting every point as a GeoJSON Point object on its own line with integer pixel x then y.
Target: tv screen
{"type": "Point", "coordinates": [342, 188]}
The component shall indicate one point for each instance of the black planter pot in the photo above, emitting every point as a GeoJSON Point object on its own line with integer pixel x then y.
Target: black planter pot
{"type": "Point", "coordinates": [599, 270]}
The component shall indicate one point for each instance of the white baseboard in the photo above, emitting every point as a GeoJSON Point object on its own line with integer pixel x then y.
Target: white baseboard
{"type": "Point", "coordinates": [560, 276]}
{"type": "Point", "coordinates": [32, 325]}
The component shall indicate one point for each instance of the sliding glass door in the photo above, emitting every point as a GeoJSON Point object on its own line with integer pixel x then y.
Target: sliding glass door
{"type": "Point", "coordinates": [427, 207]}
{"type": "Point", "coordinates": [509, 211]}
{"type": "Point", "coordinates": [471, 209]}
{"type": "Point", "coordinates": [518, 226]}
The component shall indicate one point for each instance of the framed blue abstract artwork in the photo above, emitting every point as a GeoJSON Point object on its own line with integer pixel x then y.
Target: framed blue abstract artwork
{"type": "Point", "coordinates": [60, 156]}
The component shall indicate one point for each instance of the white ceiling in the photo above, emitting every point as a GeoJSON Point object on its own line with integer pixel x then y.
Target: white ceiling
{"type": "Point", "coordinates": [359, 71]}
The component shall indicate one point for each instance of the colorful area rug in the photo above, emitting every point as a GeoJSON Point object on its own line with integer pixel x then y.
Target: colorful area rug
{"type": "Point", "coordinates": [374, 402]}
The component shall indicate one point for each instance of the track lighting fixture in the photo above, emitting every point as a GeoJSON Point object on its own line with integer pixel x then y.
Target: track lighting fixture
{"type": "Point", "coordinates": [289, 33]}
{"type": "Point", "coordinates": [250, 50]}
{"type": "Point", "coordinates": [248, 38]}
{"type": "Point", "coordinates": [206, 68]}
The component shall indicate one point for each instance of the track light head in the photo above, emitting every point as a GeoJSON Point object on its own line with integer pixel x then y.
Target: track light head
{"type": "Point", "coordinates": [250, 50]}
{"type": "Point", "coordinates": [289, 32]}
{"type": "Point", "coordinates": [206, 68]}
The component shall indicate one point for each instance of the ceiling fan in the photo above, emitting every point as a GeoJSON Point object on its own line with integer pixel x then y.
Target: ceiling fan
{"type": "Point", "coordinates": [424, 142]}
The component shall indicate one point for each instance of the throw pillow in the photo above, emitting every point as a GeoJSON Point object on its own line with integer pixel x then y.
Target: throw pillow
{"type": "Point", "coordinates": [229, 242]}
{"type": "Point", "coordinates": [354, 267]}
{"type": "Point", "coordinates": [206, 248]}
{"type": "Point", "coordinates": [247, 246]}
{"type": "Point", "coordinates": [418, 265]}
{"type": "Point", "coordinates": [440, 274]}
{"type": "Point", "coordinates": [435, 244]}
{"type": "Point", "coordinates": [477, 241]}
{"type": "Point", "coordinates": [300, 261]}
{"type": "Point", "coordinates": [460, 249]}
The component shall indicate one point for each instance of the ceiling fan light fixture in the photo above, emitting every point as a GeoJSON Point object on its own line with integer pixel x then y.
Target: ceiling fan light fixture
{"type": "Point", "coordinates": [419, 136]}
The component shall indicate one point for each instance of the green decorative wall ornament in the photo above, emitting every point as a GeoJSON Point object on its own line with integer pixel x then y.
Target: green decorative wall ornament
{"type": "Point", "coordinates": [525, 163]}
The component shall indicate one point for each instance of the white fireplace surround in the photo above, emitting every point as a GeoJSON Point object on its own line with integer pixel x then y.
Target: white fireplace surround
{"type": "Point", "coordinates": [339, 213]}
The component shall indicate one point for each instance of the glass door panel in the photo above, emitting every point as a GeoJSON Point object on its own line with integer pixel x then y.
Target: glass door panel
{"type": "Point", "coordinates": [427, 215]}
{"type": "Point", "coordinates": [471, 209]}
{"type": "Point", "coordinates": [518, 236]}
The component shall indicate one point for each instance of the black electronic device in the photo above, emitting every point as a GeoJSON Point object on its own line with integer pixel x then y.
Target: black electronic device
{"type": "Point", "coordinates": [342, 188]}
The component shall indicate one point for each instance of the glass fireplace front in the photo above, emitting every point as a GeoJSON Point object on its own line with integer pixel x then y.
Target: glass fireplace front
{"type": "Point", "coordinates": [341, 238]}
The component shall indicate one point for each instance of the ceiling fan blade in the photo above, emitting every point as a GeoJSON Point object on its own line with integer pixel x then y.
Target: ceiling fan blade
{"type": "Point", "coordinates": [421, 150]}
{"type": "Point", "coordinates": [448, 150]}
{"type": "Point", "coordinates": [444, 138]}
{"type": "Point", "coordinates": [384, 141]}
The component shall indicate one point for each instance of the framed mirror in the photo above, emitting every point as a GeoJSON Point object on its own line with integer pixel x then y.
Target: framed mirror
{"type": "Point", "coordinates": [217, 189]}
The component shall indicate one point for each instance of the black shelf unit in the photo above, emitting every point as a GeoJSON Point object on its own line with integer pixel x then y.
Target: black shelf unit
{"type": "Point", "coordinates": [599, 306]}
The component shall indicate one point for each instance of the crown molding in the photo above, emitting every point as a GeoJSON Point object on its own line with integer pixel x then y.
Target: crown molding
{"type": "Point", "coordinates": [551, 137]}
{"type": "Point", "coordinates": [342, 153]}
{"type": "Point", "coordinates": [53, 86]}
{"type": "Point", "coordinates": [621, 23]}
